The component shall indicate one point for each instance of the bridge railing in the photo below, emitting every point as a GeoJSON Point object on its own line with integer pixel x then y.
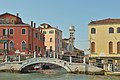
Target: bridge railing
{"type": "Point", "coordinates": [47, 60]}
{"type": "Point", "coordinates": [58, 62]}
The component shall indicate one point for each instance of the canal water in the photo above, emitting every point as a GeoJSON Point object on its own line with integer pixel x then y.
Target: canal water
{"type": "Point", "coordinates": [57, 76]}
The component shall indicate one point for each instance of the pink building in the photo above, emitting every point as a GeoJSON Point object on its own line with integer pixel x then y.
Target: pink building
{"type": "Point", "coordinates": [53, 40]}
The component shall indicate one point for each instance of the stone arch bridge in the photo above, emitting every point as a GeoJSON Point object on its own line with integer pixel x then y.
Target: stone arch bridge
{"type": "Point", "coordinates": [69, 67]}
{"type": "Point", "coordinates": [63, 64]}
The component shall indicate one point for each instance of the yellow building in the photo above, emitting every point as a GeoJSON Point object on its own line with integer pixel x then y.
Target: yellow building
{"type": "Point", "coordinates": [53, 40]}
{"type": "Point", "coordinates": [104, 43]}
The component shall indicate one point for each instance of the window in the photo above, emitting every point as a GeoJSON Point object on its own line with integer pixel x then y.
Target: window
{"type": "Point", "coordinates": [12, 20]}
{"type": "Point", "coordinates": [40, 37]}
{"type": "Point", "coordinates": [110, 47]}
{"type": "Point", "coordinates": [44, 39]}
{"type": "Point", "coordinates": [23, 45]}
{"type": "Point", "coordinates": [51, 32]}
{"type": "Point", "coordinates": [5, 45]}
{"type": "Point", "coordinates": [11, 45]}
{"type": "Point", "coordinates": [11, 31]}
{"type": "Point", "coordinates": [36, 35]}
{"type": "Point", "coordinates": [44, 32]}
{"type": "Point", "coordinates": [118, 30]}
{"type": "Point", "coordinates": [50, 39]}
{"type": "Point", "coordinates": [35, 48]}
{"type": "Point", "coordinates": [23, 31]}
{"type": "Point", "coordinates": [7, 21]}
{"type": "Point", "coordinates": [50, 48]}
{"type": "Point", "coordinates": [5, 32]}
{"type": "Point", "coordinates": [44, 48]}
{"type": "Point", "coordinates": [1, 21]}
{"type": "Point", "coordinates": [118, 47]}
{"type": "Point", "coordinates": [55, 32]}
{"type": "Point", "coordinates": [29, 46]}
{"type": "Point", "coordinates": [93, 31]}
{"type": "Point", "coordinates": [93, 47]}
{"type": "Point", "coordinates": [111, 30]}
{"type": "Point", "coordinates": [44, 26]}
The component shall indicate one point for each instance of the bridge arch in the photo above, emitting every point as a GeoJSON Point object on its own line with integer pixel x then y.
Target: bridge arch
{"type": "Point", "coordinates": [32, 61]}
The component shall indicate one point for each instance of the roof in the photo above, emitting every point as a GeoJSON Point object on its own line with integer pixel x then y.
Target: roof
{"type": "Point", "coordinates": [64, 45]}
{"type": "Point", "coordinates": [105, 21]}
{"type": "Point", "coordinates": [45, 24]}
{"type": "Point", "coordinates": [9, 14]}
{"type": "Point", "coordinates": [65, 39]}
{"type": "Point", "coordinates": [49, 27]}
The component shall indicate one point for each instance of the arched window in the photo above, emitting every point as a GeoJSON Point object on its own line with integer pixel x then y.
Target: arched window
{"type": "Point", "coordinates": [93, 31]}
{"type": "Point", "coordinates": [5, 45]}
{"type": "Point", "coordinates": [23, 45]}
{"type": "Point", "coordinates": [110, 47]}
{"type": "Point", "coordinates": [118, 30]}
{"type": "Point", "coordinates": [111, 30]}
{"type": "Point", "coordinates": [118, 47]}
{"type": "Point", "coordinates": [11, 45]}
{"type": "Point", "coordinates": [93, 47]}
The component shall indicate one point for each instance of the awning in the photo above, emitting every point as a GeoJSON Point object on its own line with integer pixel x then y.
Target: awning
{"type": "Point", "coordinates": [3, 41]}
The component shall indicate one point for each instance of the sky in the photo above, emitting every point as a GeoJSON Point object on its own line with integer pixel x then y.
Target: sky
{"type": "Point", "coordinates": [63, 13]}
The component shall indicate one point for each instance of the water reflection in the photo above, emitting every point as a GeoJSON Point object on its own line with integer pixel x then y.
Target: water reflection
{"type": "Point", "coordinates": [57, 76]}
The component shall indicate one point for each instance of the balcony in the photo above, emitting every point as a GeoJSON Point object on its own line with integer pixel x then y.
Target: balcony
{"type": "Point", "coordinates": [3, 38]}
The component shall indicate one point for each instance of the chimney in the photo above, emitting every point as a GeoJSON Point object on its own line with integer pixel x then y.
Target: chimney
{"type": "Point", "coordinates": [32, 23]}
{"type": "Point", "coordinates": [17, 14]}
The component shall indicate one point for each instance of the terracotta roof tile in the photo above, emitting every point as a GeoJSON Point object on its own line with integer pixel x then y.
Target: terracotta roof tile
{"type": "Point", "coordinates": [105, 21]}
